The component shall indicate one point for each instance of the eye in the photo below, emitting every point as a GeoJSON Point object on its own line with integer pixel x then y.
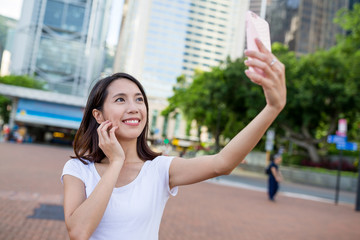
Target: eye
{"type": "Point", "coordinates": [120, 99]}
{"type": "Point", "coordinates": [140, 99]}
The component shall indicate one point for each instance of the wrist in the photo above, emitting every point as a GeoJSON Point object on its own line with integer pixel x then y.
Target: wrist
{"type": "Point", "coordinates": [116, 163]}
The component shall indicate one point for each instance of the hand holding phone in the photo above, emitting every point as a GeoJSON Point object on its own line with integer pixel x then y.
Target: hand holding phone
{"type": "Point", "coordinates": [256, 27]}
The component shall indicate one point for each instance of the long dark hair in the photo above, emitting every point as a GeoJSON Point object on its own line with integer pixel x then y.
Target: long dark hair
{"type": "Point", "coordinates": [86, 142]}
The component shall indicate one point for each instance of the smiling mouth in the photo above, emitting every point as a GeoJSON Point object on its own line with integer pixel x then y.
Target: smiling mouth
{"type": "Point", "coordinates": [132, 121]}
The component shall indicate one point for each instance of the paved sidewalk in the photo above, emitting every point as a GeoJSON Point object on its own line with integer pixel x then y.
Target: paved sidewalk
{"type": "Point", "coordinates": [30, 185]}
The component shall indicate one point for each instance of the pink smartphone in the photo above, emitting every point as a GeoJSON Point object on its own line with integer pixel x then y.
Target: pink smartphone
{"type": "Point", "coordinates": [256, 27]}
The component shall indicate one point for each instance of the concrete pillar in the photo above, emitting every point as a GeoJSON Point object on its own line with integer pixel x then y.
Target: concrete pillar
{"type": "Point", "coordinates": [13, 112]}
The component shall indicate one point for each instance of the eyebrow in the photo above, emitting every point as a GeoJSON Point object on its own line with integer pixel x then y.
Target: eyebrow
{"type": "Point", "coordinates": [124, 94]}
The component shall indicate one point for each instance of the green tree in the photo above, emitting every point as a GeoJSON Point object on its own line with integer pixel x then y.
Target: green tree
{"type": "Point", "coordinates": [218, 99]}
{"type": "Point", "coordinates": [321, 92]}
{"type": "Point", "coordinates": [322, 87]}
{"type": "Point", "coordinates": [349, 20]}
{"type": "Point", "coordinates": [201, 100]}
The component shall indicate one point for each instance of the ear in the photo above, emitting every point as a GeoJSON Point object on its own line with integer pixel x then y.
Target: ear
{"type": "Point", "coordinates": [97, 114]}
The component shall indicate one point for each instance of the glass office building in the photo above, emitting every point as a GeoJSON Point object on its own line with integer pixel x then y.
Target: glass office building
{"type": "Point", "coordinates": [161, 39]}
{"type": "Point", "coordinates": [62, 43]}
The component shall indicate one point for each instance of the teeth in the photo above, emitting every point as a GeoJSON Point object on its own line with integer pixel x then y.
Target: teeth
{"type": "Point", "coordinates": [132, 121]}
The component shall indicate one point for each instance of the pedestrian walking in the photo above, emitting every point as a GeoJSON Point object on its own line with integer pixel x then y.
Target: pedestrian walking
{"type": "Point", "coordinates": [116, 187]}
{"type": "Point", "coordinates": [275, 176]}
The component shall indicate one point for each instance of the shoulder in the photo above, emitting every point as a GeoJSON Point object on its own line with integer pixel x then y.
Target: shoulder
{"type": "Point", "coordinates": [273, 165]}
{"type": "Point", "coordinates": [76, 163]}
{"type": "Point", "coordinates": [76, 168]}
{"type": "Point", "coordinates": [162, 163]}
{"type": "Point", "coordinates": [161, 160]}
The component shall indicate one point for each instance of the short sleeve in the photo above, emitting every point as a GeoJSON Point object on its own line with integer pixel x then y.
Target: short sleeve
{"type": "Point", "coordinates": [75, 168]}
{"type": "Point", "coordinates": [164, 163]}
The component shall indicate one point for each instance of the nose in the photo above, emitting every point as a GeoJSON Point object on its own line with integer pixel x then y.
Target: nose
{"type": "Point", "coordinates": [132, 107]}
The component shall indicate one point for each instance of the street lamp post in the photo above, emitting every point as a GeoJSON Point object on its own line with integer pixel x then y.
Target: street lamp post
{"type": "Point", "coordinates": [357, 204]}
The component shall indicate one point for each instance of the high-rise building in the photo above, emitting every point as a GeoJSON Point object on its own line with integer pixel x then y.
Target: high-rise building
{"type": "Point", "coordinates": [151, 42]}
{"type": "Point", "coordinates": [316, 27]}
{"type": "Point", "coordinates": [258, 7]}
{"type": "Point", "coordinates": [214, 31]}
{"type": "Point", "coordinates": [8, 26]}
{"type": "Point", "coordinates": [282, 16]}
{"type": "Point", "coordinates": [305, 25]}
{"type": "Point", "coordinates": [159, 40]}
{"type": "Point", "coordinates": [61, 42]}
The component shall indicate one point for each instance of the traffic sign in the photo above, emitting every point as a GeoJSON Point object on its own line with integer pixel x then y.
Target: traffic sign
{"type": "Point", "coordinates": [349, 146]}
{"type": "Point", "coordinates": [336, 139]}
{"type": "Point", "coordinates": [342, 127]}
{"type": "Point", "coordinates": [270, 136]}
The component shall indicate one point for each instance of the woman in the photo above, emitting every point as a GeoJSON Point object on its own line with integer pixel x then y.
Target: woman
{"type": "Point", "coordinates": [116, 187]}
{"type": "Point", "coordinates": [275, 176]}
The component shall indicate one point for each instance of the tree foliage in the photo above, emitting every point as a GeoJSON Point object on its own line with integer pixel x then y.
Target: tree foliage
{"type": "Point", "coordinates": [321, 88]}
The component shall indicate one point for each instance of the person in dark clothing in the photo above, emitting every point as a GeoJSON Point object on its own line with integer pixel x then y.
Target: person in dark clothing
{"type": "Point", "coordinates": [274, 176]}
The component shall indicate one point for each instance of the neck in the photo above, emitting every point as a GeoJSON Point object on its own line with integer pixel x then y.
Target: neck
{"type": "Point", "coordinates": [130, 150]}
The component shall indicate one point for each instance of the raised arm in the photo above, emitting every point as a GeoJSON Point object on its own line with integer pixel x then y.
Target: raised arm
{"type": "Point", "coordinates": [83, 215]}
{"type": "Point", "coordinates": [272, 79]}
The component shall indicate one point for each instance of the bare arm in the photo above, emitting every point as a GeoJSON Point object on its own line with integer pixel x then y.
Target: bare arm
{"type": "Point", "coordinates": [277, 175]}
{"type": "Point", "coordinates": [272, 80]}
{"type": "Point", "coordinates": [83, 215]}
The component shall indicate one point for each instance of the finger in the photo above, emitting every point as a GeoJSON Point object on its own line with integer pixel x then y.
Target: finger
{"type": "Point", "coordinates": [112, 133]}
{"type": "Point", "coordinates": [256, 54]}
{"type": "Point", "coordinates": [264, 68]}
{"type": "Point", "coordinates": [262, 47]}
{"type": "Point", "coordinates": [277, 66]}
{"type": "Point", "coordinates": [263, 54]}
{"type": "Point", "coordinates": [103, 131]}
{"type": "Point", "coordinates": [255, 77]}
{"type": "Point", "coordinates": [260, 56]}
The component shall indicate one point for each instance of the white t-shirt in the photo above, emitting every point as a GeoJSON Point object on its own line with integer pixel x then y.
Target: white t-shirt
{"type": "Point", "coordinates": [134, 211]}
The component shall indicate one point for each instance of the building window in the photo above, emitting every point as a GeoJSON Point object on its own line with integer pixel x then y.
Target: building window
{"type": "Point", "coordinates": [64, 16]}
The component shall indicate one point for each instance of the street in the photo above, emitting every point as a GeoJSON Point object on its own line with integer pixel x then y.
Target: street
{"type": "Point", "coordinates": [231, 207]}
{"type": "Point", "coordinates": [258, 182]}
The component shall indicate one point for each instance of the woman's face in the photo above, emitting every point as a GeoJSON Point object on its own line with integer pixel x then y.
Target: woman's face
{"type": "Point", "coordinates": [125, 107]}
{"type": "Point", "coordinates": [278, 160]}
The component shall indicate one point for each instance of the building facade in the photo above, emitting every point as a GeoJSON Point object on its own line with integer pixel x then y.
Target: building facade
{"type": "Point", "coordinates": [316, 27]}
{"type": "Point", "coordinates": [176, 37]}
{"type": "Point", "coordinates": [8, 26]}
{"type": "Point", "coordinates": [61, 42]}
{"type": "Point", "coordinates": [305, 25]}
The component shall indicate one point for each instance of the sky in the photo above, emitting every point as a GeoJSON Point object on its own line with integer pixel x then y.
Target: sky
{"type": "Point", "coordinates": [12, 9]}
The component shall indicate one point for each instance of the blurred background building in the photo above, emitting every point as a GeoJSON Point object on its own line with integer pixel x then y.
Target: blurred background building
{"type": "Point", "coordinates": [161, 40]}
{"type": "Point", "coordinates": [7, 31]}
{"type": "Point", "coordinates": [305, 25]}
{"type": "Point", "coordinates": [63, 43]}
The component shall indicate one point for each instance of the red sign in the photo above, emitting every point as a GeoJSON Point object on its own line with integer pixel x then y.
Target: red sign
{"type": "Point", "coordinates": [342, 128]}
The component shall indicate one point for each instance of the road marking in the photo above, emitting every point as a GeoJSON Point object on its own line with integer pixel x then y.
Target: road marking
{"type": "Point", "coordinates": [224, 182]}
